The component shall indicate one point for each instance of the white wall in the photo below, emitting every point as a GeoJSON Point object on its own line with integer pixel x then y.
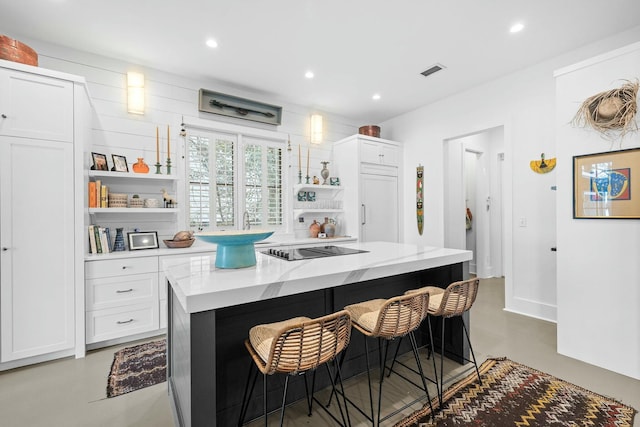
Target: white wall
{"type": "Point", "coordinates": [598, 259]}
{"type": "Point", "coordinates": [524, 103]}
{"type": "Point", "coordinates": [169, 98]}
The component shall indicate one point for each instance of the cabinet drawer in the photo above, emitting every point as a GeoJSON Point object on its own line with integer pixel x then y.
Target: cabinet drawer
{"type": "Point", "coordinates": [119, 291]}
{"type": "Point", "coordinates": [120, 322]}
{"type": "Point", "coordinates": [120, 267]}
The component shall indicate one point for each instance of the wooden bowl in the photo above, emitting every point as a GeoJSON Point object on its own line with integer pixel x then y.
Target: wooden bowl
{"type": "Point", "coordinates": [179, 243]}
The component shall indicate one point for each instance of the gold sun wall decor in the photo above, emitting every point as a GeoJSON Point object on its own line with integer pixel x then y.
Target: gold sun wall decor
{"type": "Point", "coordinates": [542, 165]}
{"type": "Point", "coordinates": [611, 113]}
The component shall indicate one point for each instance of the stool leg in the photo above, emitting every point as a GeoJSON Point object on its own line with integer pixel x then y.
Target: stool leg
{"type": "Point", "coordinates": [473, 356]}
{"type": "Point", "coordinates": [284, 400]}
{"type": "Point", "coordinates": [366, 355]}
{"type": "Point", "coordinates": [383, 362]}
{"type": "Point", "coordinates": [395, 356]}
{"type": "Point", "coordinates": [245, 397]}
{"type": "Point", "coordinates": [416, 355]}
{"type": "Point", "coordinates": [441, 365]}
{"type": "Point", "coordinates": [264, 399]}
{"type": "Point", "coordinates": [435, 370]}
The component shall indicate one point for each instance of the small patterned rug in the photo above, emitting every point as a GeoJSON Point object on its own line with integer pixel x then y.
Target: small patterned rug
{"type": "Point", "coordinates": [515, 395]}
{"type": "Point", "coordinates": [137, 367]}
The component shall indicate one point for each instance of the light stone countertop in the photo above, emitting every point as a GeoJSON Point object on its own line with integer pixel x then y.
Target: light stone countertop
{"type": "Point", "coordinates": [200, 286]}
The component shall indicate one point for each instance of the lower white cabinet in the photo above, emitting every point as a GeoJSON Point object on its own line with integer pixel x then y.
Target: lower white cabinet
{"type": "Point", "coordinates": [37, 258]}
{"type": "Point", "coordinates": [121, 298]}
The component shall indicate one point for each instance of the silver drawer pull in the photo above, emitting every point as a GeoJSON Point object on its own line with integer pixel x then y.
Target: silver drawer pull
{"type": "Point", "coordinates": [120, 322]}
{"type": "Point", "coordinates": [125, 291]}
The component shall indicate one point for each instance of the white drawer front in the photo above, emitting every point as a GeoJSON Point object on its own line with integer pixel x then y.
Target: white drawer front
{"type": "Point", "coordinates": [119, 291]}
{"type": "Point", "coordinates": [120, 267]}
{"type": "Point", "coordinates": [120, 322]}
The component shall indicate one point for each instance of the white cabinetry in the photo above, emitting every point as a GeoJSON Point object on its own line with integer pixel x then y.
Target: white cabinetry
{"type": "Point", "coordinates": [121, 298]}
{"type": "Point", "coordinates": [371, 200]}
{"type": "Point", "coordinates": [41, 116]}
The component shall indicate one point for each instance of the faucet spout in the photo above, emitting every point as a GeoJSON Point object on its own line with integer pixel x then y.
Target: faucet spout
{"type": "Point", "coordinates": [246, 221]}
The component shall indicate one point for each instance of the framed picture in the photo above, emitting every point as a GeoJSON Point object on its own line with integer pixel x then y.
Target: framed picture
{"type": "Point", "coordinates": [143, 240]}
{"type": "Point", "coordinates": [607, 185]}
{"type": "Point", "coordinates": [119, 163]}
{"type": "Point", "coordinates": [99, 162]}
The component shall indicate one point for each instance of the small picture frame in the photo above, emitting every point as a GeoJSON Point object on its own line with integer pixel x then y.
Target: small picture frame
{"type": "Point", "coordinates": [99, 162]}
{"type": "Point", "coordinates": [302, 196]}
{"type": "Point", "coordinates": [119, 163]}
{"type": "Point", "coordinates": [311, 196]}
{"type": "Point", "coordinates": [143, 240]}
{"type": "Point", "coordinates": [334, 181]}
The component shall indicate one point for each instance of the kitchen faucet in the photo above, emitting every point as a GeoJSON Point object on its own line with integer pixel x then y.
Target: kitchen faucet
{"type": "Point", "coordinates": [246, 221]}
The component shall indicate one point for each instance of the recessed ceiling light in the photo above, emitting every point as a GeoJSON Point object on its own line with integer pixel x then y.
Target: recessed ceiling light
{"type": "Point", "coordinates": [375, 96]}
{"type": "Point", "coordinates": [516, 28]}
{"type": "Point", "coordinates": [212, 43]}
{"type": "Point", "coordinates": [309, 74]}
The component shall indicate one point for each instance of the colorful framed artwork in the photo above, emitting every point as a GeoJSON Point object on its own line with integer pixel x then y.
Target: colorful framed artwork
{"type": "Point", "coordinates": [607, 185]}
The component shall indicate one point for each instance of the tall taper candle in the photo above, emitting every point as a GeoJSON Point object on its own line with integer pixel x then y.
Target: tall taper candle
{"type": "Point", "coordinates": [168, 143]}
{"type": "Point", "coordinates": [157, 145]}
{"type": "Point", "coordinates": [307, 161]}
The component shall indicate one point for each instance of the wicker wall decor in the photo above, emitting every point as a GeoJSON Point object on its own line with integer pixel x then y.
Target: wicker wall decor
{"type": "Point", "coordinates": [611, 113]}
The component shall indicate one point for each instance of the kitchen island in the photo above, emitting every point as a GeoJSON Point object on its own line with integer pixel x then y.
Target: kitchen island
{"type": "Point", "coordinates": [211, 311]}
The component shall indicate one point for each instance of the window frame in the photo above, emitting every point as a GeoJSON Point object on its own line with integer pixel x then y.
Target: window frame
{"type": "Point", "coordinates": [241, 139]}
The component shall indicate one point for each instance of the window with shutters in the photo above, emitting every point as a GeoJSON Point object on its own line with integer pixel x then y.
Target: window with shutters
{"type": "Point", "coordinates": [232, 174]}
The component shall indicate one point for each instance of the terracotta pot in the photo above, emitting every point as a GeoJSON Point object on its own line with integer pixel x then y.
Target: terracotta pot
{"type": "Point", "coordinates": [13, 50]}
{"type": "Point", "coordinates": [370, 130]}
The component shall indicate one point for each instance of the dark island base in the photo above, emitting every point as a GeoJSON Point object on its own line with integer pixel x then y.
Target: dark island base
{"type": "Point", "coordinates": [208, 363]}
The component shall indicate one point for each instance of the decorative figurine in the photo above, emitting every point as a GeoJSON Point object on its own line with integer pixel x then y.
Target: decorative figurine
{"type": "Point", "coordinates": [316, 180]}
{"type": "Point", "coordinates": [169, 201]}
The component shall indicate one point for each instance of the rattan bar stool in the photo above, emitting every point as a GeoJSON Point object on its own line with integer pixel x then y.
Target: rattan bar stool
{"type": "Point", "coordinates": [387, 320]}
{"type": "Point", "coordinates": [453, 301]}
{"type": "Point", "coordinates": [296, 347]}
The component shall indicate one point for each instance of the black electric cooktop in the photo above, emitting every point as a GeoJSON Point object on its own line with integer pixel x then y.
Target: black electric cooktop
{"type": "Point", "coordinates": [309, 253]}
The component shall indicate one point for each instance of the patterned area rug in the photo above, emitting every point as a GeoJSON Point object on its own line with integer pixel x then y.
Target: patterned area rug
{"type": "Point", "coordinates": [515, 395]}
{"type": "Point", "coordinates": [137, 367]}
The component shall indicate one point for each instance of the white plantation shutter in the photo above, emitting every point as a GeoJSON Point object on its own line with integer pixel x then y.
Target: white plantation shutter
{"type": "Point", "coordinates": [253, 184]}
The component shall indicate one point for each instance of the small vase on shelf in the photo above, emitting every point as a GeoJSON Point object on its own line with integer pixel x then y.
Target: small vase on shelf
{"type": "Point", "coordinates": [119, 242]}
{"type": "Point", "coordinates": [314, 229]}
{"type": "Point", "coordinates": [324, 172]}
{"type": "Point", "coordinates": [140, 166]}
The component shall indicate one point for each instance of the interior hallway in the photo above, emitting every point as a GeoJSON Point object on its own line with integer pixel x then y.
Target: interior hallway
{"type": "Point", "coordinates": [71, 392]}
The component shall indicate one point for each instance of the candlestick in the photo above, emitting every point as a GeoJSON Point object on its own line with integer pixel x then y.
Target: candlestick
{"type": "Point", "coordinates": [308, 164]}
{"type": "Point", "coordinates": [299, 177]}
{"type": "Point", "coordinates": [158, 166]}
{"type": "Point", "coordinates": [168, 144]}
{"type": "Point", "coordinates": [157, 146]}
{"type": "Point", "coordinates": [168, 166]}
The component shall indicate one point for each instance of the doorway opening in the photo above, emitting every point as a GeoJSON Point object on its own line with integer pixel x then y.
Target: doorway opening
{"type": "Point", "coordinates": [473, 199]}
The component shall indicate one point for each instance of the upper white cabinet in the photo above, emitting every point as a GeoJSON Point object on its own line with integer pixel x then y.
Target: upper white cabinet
{"type": "Point", "coordinates": [35, 106]}
{"type": "Point", "coordinates": [370, 168]}
{"type": "Point", "coordinates": [379, 152]}
{"type": "Point", "coordinates": [40, 213]}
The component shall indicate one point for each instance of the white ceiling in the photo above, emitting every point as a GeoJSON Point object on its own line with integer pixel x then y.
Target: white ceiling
{"type": "Point", "coordinates": [355, 47]}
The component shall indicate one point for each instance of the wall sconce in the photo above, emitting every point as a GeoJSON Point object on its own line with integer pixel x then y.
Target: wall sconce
{"type": "Point", "coordinates": [135, 92]}
{"type": "Point", "coordinates": [316, 128]}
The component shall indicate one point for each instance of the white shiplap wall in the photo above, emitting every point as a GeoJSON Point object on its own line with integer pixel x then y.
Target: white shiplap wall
{"type": "Point", "coordinates": [169, 99]}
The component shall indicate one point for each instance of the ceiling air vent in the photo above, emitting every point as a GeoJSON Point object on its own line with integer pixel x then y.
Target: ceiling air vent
{"type": "Point", "coordinates": [434, 69]}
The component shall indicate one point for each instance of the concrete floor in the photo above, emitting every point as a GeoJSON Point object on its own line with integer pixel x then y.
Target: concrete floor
{"type": "Point", "coordinates": [71, 392]}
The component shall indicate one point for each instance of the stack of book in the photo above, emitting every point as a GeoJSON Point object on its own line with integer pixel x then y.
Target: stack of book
{"type": "Point", "coordinates": [100, 240]}
{"type": "Point", "coordinates": [98, 194]}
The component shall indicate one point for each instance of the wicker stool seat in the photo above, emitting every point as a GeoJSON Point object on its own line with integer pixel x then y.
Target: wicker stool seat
{"type": "Point", "coordinates": [453, 301]}
{"type": "Point", "coordinates": [294, 347]}
{"type": "Point", "coordinates": [387, 319]}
